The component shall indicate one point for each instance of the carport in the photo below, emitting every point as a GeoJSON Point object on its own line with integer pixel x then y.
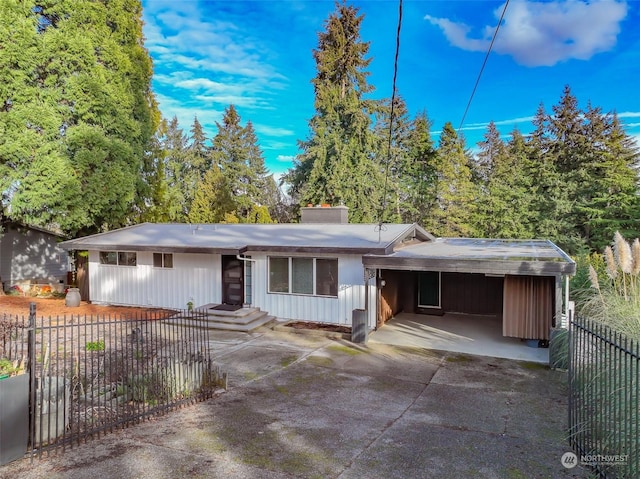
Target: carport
{"type": "Point", "coordinates": [519, 282]}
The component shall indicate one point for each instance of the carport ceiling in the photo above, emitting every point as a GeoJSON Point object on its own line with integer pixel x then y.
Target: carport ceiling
{"type": "Point", "coordinates": [472, 255]}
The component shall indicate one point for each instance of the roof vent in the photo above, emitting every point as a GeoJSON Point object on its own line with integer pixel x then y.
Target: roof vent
{"type": "Point", "coordinates": [324, 214]}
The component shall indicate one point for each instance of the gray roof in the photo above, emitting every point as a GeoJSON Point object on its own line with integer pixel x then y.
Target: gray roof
{"type": "Point", "coordinates": [469, 255]}
{"type": "Point", "coordinates": [238, 238]}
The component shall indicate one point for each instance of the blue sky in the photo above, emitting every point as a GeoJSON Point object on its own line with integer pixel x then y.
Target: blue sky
{"type": "Point", "coordinates": [257, 55]}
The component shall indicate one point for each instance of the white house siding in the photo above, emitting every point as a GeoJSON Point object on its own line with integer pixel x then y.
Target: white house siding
{"type": "Point", "coordinates": [314, 308]}
{"type": "Point", "coordinates": [28, 254]}
{"type": "Point", "coordinates": [194, 277]}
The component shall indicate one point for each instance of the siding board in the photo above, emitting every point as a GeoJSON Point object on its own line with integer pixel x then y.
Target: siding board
{"type": "Point", "coordinates": [193, 277]}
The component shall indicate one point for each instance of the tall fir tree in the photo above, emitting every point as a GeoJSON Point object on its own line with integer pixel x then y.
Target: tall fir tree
{"type": "Point", "coordinates": [196, 162]}
{"type": "Point", "coordinates": [454, 210]}
{"type": "Point", "coordinates": [504, 205]}
{"type": "Point", "coordinates": [607, 198]}
{"type": "Point", "coordinates": [213, 202]}
{"type": "Point", "coordinates": [336, 164]}
{"type": "Point", "coordinates": [417, 173]}
{"type": "Point", "coordinates": [236, 151]}
{"type": "Point", "coordinates": [175, 144]}
{"type": "Point", "coordinates": [551, 201]}
{"type": "Point", "coordinates": [392, 152]}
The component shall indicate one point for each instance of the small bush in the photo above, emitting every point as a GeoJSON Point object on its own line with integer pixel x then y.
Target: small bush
{"type": "Point", "coordinates": [95, 345]}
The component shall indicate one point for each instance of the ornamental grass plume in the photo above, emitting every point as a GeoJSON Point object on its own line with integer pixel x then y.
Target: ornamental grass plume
{"type": "Point", "coordinates": [635, 254]}
{"type": "Point", "coordinates": [595, 284]}
{"type": "Point", "coordinates": [622, 252]}
{"type": "Point", "coordinates": [610, 261]}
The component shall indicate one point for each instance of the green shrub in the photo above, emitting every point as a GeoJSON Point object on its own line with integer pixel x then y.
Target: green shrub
{"type": "Point", "coordinates": [95, 345]}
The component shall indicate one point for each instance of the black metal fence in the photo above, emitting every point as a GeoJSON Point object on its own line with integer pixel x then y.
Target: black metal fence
{"type": "Point", "coordinates": [604, 392]}
{"type": "Point", "coordinates": [90, 375]}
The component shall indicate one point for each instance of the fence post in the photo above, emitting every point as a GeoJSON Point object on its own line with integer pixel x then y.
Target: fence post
{"type": "Point", "coordinates": [31, 353]}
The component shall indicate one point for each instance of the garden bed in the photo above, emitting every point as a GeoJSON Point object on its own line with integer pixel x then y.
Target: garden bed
{"type": "Point", "coordinates": [335, 331]}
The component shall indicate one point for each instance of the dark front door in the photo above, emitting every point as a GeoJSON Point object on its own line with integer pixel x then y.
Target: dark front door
{"type": "Point", "coordinates": [232, 280]}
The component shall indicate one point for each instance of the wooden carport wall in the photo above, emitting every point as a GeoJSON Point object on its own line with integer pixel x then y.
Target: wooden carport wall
{"type": "Point", "coordinates": [520, 307]}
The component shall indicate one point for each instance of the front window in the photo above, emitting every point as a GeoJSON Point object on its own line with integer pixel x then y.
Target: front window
{"type": "Point", "coordinates": [162, 260]}
{"type": "Point", "coordinates": [312, 276]}
{"type": "Point", "coordinates": [279, 275]}
{"type": "Point", "coordinates": [302, 275]}
{"type": "Point", "coordinates": [120, 258]}
{"type": "Point", "coordinates": [327, 277]}
{"type": "Point", "coordinates": [126, 258]}
{"type": "Point", "coordinates": [108, 257]}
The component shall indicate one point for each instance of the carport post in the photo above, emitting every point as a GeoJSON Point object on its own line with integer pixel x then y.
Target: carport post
{"type": "Point", "coordinates": [360, 317]}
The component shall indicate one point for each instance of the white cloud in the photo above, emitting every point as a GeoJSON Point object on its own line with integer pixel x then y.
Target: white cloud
{"type": "Point", "coordinates": [199, 58]}
{"type": "Point", "coordinates": [273, 130]}
{"type": "Point", "coordinates": [538, 33]}
{"type": "Point", "coordinates": [509, 122]}
{"type": "Point", "coordinates": [286, 158]}
{"type": "Point", "coordinates": [185, 112]}
{"type": "Point", "coordinates": [629, 114]}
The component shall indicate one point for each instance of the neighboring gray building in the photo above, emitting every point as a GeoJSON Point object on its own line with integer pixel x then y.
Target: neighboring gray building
{"type": "Point", "coordinates": [31, 255]}
{"type": "Point", "coordinates": [324, 268]}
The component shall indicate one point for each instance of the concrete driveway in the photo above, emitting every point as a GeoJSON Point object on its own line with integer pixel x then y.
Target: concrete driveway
{"type": "Point", "coordinates": [310, 407]}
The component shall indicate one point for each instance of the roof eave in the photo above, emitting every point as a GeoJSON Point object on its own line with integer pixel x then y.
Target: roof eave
{"type": "Point", "coordinates": [498, 267]}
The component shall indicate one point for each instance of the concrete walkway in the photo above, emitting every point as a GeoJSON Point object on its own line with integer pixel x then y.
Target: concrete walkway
{"type": "Point", "coordinates": [310, 407]}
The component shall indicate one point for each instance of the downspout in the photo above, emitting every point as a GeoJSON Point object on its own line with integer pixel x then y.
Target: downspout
{"type": "Point", "coordinates": [366, 290]}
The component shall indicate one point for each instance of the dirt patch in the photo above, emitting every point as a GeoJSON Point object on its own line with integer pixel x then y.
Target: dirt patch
{"type": "Point", "coordinates": [334, 328]}
{"type": "Point", "coordinates": [19, 306]}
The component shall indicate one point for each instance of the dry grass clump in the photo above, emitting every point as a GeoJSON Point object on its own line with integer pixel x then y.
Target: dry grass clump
{"type": "Point", "coordinates": [617, 299]}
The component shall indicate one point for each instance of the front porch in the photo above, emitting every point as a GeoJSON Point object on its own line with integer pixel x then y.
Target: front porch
{"type": "Point", "coordinates": [222, 317]}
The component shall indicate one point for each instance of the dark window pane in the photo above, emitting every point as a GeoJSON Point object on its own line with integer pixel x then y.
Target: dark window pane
{"type": "Point", "coordinates": [302, 275]}
{"type": "Point", "coordinates": [279, 275]}
{"type": "Point", "coordinates": [168, 260]}
{"type": "Point", "coordinates": [108, 257]}
{"type": "Point", "coordinates": [327, 277]}
{"type": "Point", "coordinates": [157, 260]}
{"type": "Point", "coordinates": [429, 289]}
{"type": "Point", "coordinates": [127, 258]}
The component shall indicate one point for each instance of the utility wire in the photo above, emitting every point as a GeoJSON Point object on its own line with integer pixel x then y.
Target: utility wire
{"type": "Point", "coordinates": [391, 115]}
{"type": "Point", "coordinates": [475, 87]}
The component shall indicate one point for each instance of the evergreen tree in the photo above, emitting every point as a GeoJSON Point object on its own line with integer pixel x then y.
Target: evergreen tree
{"type": "Point", "coordinates": [504, 206]}
{"type": "Point", "coordinates": [235, 150]}
{"type": "Point", "coordinates": [175, 145]}
{"type": "Point", "coordinates": [607, 199]}
{"type": "Point", "coordinates": [76, 112]}
{"type": "Point", "coordinates": [393, 156]}
{"type": "Point", "coordinates": [335, 165]}
{"type": "Point", "coordinates": [417, 173]}
{"type": "Point", "coordinates": [157, 204]}
{"type": "Point", "coordinates": [550, 195]}
{"type": "Point", "coordinates": [201, 161]}
{"type": "Point", "coordinates": [454, 209]}
{"type": "Point", "coordinates": [196, 161]}
{"type": "Point", "coordinates": [213, 202]}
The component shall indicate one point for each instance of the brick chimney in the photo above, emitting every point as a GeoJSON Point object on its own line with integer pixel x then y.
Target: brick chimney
{"type": "Point", "coordinates": [324, 214]}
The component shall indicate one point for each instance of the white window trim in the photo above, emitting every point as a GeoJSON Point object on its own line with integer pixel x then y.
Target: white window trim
{"type": "Point", "coordinates": [162, 255]}
{"type": "Point", "coordinates": [117, 252]}
{"type": "Point", "coordinates": [290, 276]}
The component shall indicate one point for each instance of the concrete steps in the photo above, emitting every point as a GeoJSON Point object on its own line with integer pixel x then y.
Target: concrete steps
{"type": "Point", "coordinates": [243, 320]}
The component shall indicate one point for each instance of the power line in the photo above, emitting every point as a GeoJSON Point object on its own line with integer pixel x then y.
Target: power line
{"type": "Point", "coordinates": [393, 98]}
{"type": "Point", "coordinates": [475, 87]}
